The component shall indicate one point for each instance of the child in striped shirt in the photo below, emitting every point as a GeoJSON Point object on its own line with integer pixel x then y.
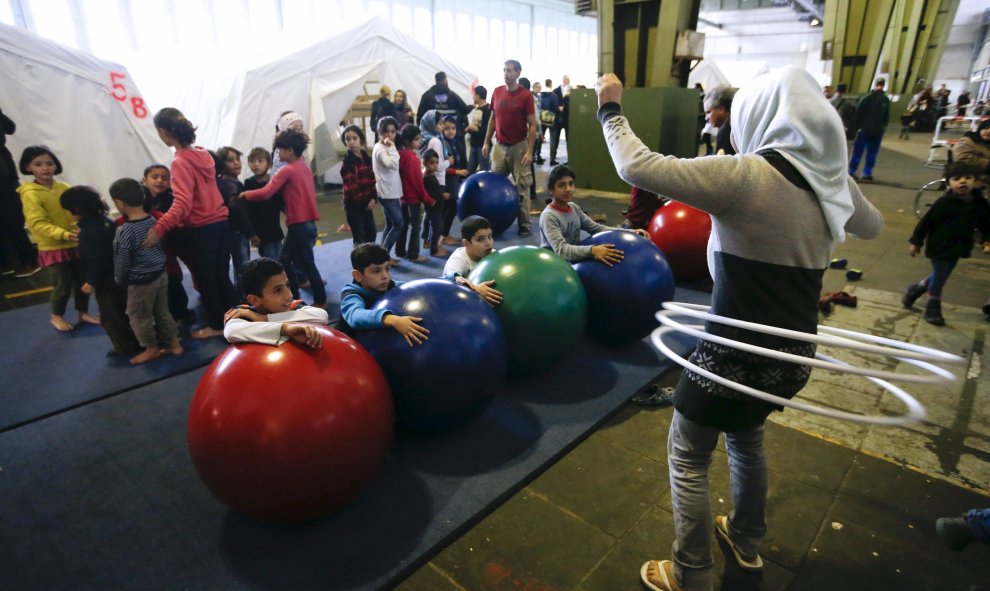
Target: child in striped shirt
{"type": "Point", "coordinates": [142, 270]}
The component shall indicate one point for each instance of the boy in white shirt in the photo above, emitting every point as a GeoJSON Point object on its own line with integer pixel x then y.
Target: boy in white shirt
{"type": "Point", "coordinates": [271, 316]}
{"type": "Point", "coordinates": [478, 242]}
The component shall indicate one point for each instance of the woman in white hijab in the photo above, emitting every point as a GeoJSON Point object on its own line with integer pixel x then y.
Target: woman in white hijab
{"type": "Point", "coordinates": [778, 208]}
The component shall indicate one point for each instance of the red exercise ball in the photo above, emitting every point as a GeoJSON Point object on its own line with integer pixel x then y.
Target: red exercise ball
{"type": "Point", "coordinates": [681, 233]}
{"type": "Point", "coordinates": [290, 433]}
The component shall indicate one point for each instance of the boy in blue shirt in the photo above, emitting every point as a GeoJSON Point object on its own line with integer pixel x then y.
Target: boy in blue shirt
{"type": "Point", "coordinates": [271, 316]}
{"type": "Point", "coordinates": [142, 270]}
{"type": "Point", "coordinates": [372, 278]}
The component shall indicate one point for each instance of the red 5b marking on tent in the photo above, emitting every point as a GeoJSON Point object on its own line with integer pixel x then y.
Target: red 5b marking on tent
{"type": "Point", "coordinates": [119, 92]}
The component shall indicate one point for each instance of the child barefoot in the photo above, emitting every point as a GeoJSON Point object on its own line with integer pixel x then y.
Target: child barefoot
{"type": "Point", "coordinates": [55, 231]}
{"type": "Point", "coordinates": [142, 270]}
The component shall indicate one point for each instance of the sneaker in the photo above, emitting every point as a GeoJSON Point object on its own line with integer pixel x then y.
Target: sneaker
{"type": "Point", "coordinates": [524, 233]}
{"type": "Point", "coordinates": [666, 580]}
{"type": "Point", "coordinates": [747, 563]}
{"type": "Point", "coordinates": [854, 275]}
{"type": "Point", "coordinates": [838, 264]}
{"type": "Point", "coordinates": [867, 178]}
{"type": "Point", "coordinates": [26, 270]}
{"type": "Point", "coordinates": [654, 395]}
{"type": "Point", "coordinates": [954, 531]}
{"type": "Point", "coordinates": [912, 293]}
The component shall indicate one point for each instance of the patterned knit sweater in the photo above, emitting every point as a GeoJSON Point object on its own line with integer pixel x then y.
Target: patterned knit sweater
{"type": "Point", "coordinates": [769, 246]}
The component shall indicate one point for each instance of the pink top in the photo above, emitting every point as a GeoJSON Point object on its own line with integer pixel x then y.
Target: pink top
{"type": "Point", "coordinates": [411, 173]}
{"type": "Point", "coordinates": [194, 184]}
{"type": "Point", "coordinates": [47, 258]}
{"type": "Point", "coordinates": [296, 182]}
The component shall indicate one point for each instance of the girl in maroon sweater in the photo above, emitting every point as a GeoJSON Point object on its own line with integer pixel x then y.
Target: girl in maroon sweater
{"type": "Point", "coordinates": [360, 194]}
{"type": "Point", "coordinates": [414, 193]}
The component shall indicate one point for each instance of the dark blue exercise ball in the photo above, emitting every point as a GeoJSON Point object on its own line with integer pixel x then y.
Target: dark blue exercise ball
{"type": "Point", "coordinates": [492, 196]}
{"type": "Point", "coordinates": [454, 375]}
{"type": "Point", "coordinates": [624, 298]}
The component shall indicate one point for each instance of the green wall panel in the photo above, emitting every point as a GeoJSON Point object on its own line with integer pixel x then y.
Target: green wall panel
{"type": "Point", "coordinates": [665, 119]}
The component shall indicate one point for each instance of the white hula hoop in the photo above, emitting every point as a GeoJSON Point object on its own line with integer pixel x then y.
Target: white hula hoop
{"type": "Point", "coordinates": [922, 357]}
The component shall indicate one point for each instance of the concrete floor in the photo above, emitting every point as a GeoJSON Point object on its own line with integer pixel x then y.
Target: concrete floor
{"type": "Point", "coordinates": [850, 505]}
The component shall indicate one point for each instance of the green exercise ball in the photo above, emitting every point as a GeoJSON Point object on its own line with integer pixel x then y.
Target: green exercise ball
{"type": "Point", "coordinates": [544, 309]}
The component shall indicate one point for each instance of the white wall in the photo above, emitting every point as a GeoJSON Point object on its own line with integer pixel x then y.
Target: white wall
{"type": "Point", "coordinates": [954, 69]}
{"type": "Point", "coordinates": [163, 42]}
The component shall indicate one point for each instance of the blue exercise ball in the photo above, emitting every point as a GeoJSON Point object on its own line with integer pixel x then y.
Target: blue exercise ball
{"type": "Point", "coordinates": [492, 196]}
{"type": "Point", "coordinates": [454, 375]}
{"type": "Point", "coordinates": [624, 298]}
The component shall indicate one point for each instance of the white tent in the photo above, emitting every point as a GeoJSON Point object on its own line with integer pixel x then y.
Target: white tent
{"type": "Point", "coordinates": [319, 82]}
{"type": "Point", "coordinates": [88, 111]}
{"type": "Point", "coordinates": [708, 74]}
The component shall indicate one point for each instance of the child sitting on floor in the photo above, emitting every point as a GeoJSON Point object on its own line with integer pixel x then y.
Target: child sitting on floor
{"type": "Point", "coordinates": [476, 236]}
{"type": "Point", "coordinates": [562, 221]}
{"type": "Point", "coordinates": [271, 316]}
{"type": "Point", "coordinates": [372, 278]}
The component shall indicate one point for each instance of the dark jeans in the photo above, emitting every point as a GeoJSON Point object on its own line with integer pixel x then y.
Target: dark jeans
{"type": "Point", "coordinates": [69, 278]}
{"type": "Point", "coordinates": [12, 227]}
{"type": "Point", "coordinates": [270, 250]}
{"type": "Point", "coordinates": [555, 139]}
{"type": "Point", "coordinates": [111, 300]}
{"type": "Point", "coordinates": [412, 221]}
{"type": "Point", "coordinates": [178, 300]}
{"type": "Point", "coordinates": [240, 254]}
{"type": "Point", "coordinates": [478, 162]}
{"type": "Point", "coordinates": [298, 250]}
{"type": "Point", "coordinates": [208, 249]}
{"type": "Point", "coordinates": [362, 223]}
{"type": "Point", "coordinates": [941, 269]}
{"type": "Point", "coordinates": [433, 225]}
{"type": "Point", "coordinates": [869, 142]}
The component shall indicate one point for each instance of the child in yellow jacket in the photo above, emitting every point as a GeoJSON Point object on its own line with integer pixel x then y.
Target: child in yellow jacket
{"type": "Point", "coordinates": [55, 231]}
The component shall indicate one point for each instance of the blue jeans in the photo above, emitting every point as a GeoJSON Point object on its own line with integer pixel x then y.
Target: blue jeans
{"type": "Point", "coordinates": [270, 250]}
{"type": "Point", "coordinates": [412, 219]}
{"type": "Point", "coordinates": [394, 225]}
{"type": "Point", "coordinates": [298, 250]}
{"type": "Point", "coordinates": [871, 143]}
{"type": "Point", "coordinates": [477, 162]}
{"type": "Point", "coordinates": [941, 269]}
{"type": "Point", "coordinates": [689, 453]}
{"type": "Point", "coordinates": [979, 523]}
{"type": "Point", "coordinates": [208, 249]}
{"type": "Point", "coordinates": [362, 223]}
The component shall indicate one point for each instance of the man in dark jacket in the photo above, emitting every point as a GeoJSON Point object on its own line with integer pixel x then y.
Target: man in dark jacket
{"type": "Point", "coordinates": [872, 114]}
{"type": "Point", "coordinates": [440, 97]}
{"type": "Point", "coordinates": [563, 94]}
{"type": "Point", "coordinates": [11, 213]}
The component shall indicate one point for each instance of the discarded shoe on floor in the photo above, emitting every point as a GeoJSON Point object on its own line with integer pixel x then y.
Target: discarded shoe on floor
{"type": "Point", "coordinates": [654, 395]}
{"type": "Point", "coordinates": [854, 274]}
{"type": "Point", "coordinates": [844, 299]}
{"type": "Point", "coordinates": [838, 264]}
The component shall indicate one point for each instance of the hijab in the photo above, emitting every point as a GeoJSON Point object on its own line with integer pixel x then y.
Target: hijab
{"type": "Point", "coordinates": [785, 111]}
{"type": "Point", "coordinates": [428, 131]}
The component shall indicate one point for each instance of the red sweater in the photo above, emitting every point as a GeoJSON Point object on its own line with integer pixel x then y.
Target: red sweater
{"type": "Point", "coordinates": [411, 173]}
{"type": "Point", "coordinates": [295, 180]}
{"type": "Point", "coordinates": [197, 199]}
